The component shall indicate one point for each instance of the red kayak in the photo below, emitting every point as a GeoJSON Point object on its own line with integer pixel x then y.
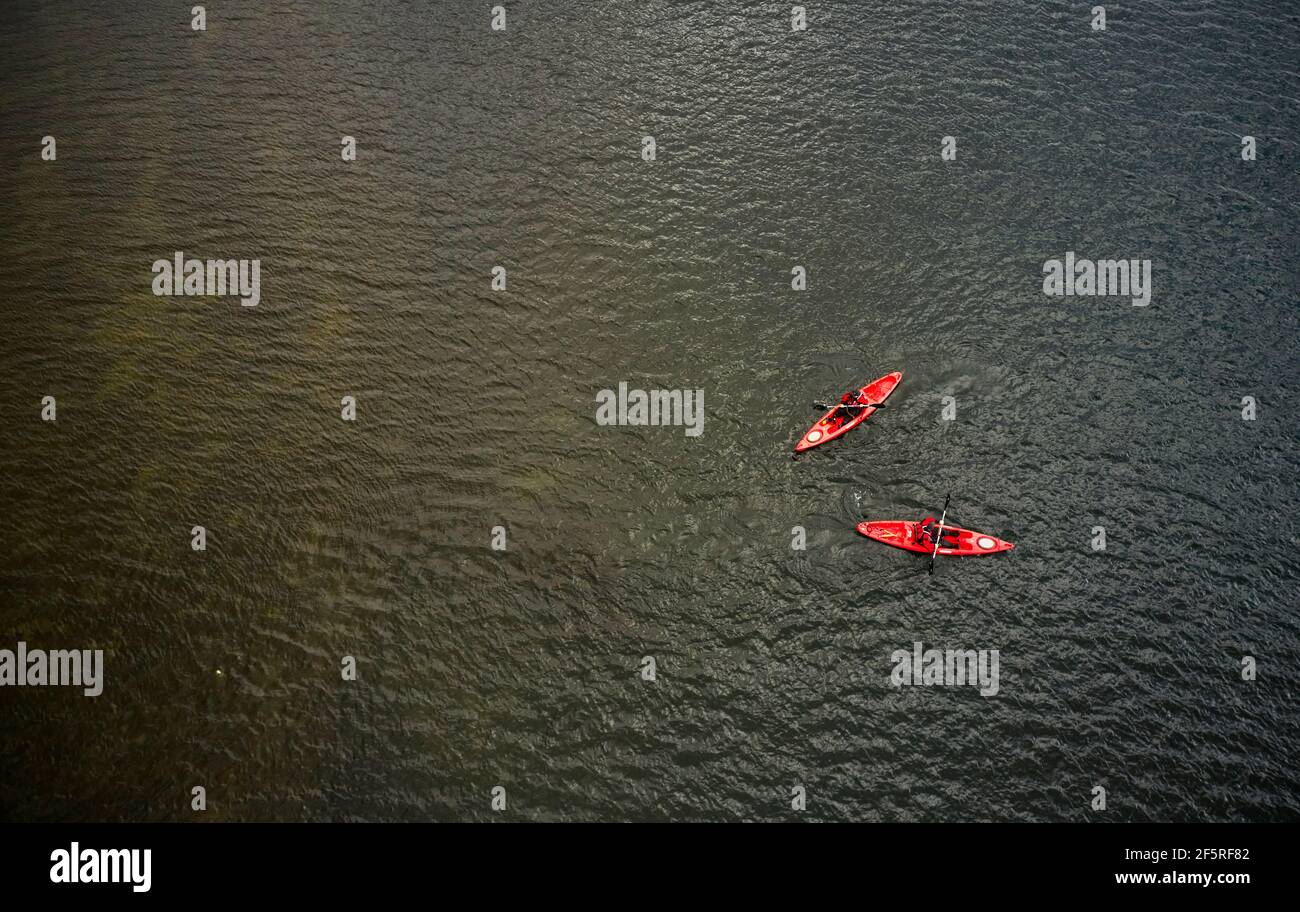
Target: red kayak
{"type": "Point", "coordinates": [956, 542]}
{"type": "Point", "coordinates": [829, 427]}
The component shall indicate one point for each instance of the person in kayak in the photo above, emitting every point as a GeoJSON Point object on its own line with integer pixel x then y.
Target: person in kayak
{"type": "Point", "coordinates": [847, 410]}
{"type": "Point", "coordinates": [927, 530]}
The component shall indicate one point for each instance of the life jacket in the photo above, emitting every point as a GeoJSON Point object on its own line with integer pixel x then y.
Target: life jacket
{"type": "Point", "coordinates": [846, 412]}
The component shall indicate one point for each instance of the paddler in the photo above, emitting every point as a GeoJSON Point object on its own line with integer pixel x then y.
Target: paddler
{"type": "Point", "coordinates": [927, 530]}
{"type": "Point", "coordinates": [848, 401]}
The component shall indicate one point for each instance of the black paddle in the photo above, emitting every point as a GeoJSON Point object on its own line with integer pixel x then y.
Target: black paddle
{"type": "Point", "coordinates": [939, 537]}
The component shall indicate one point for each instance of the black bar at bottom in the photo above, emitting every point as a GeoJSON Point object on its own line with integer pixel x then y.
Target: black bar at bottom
{"type": "Point", "coordinates": [331, 862]}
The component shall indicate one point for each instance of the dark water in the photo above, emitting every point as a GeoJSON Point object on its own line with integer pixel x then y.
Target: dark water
{"type": "Point", "coordinates": [476, 408]}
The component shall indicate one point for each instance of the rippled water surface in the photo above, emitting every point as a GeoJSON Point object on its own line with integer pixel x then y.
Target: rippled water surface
{"type": "Point", "coordinates": [476, 408]}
